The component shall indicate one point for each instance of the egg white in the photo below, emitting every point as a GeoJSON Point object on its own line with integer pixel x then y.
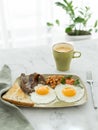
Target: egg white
{"type": "Point", "coordinates": [79, 93]}
{"type": "Point", "coordinates": [43, 99]}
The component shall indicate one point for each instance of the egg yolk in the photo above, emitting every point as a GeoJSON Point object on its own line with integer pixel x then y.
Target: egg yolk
{"type": "Point", "coordinates": [69, 92]}
{"type": "Point", "coordinates": [43, 90]}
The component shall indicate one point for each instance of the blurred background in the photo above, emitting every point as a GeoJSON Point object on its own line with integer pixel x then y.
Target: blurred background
{"type": "Point", "coordinates": [23, 22]}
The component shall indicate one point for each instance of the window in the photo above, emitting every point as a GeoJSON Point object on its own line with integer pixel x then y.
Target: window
{"type": "Point", "coordinates": [23, 22]}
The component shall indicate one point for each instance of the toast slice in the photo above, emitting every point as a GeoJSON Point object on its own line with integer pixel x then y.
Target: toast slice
{"type": "Point", "coordinates": [16, 96]}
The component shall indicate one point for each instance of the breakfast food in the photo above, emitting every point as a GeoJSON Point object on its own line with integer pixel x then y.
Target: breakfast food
{"type": "Point", "coordinates": [16, 96]}
{"type": "Point", "coordinates": [54, 80]}
{"type": "Point", "coordinates": [43, 94]}
{"type": "Point", "coordinates": [37, 89]}
{"type": "Point", "coordinates": [27, 84]}
{"type": "Point", "coordinates": [19, 93]}
{"type": "Point", "coordinates": [69, 93]}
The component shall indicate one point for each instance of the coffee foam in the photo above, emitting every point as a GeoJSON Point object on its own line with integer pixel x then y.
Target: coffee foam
{"type": "Point", "coordinates": [63, 47]}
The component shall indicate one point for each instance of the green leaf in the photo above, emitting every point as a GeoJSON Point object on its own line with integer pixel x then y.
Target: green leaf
{"type": "Point", "coordinates": [63, 80]}
{"type": "Point", "coordinates": [90, 30]}
{"type": "Point", "coordinates": [57, 22]}
{"type": "Point", "coordinates": [80, 86]}
{"type": "Point", "coordinates": [68, 29]}
{"type": "Point", "coordinates": [61, 5]}
{"type": "Point", "coordinates": [72, 25]}
{"type": "Point", "coordinates": [49, 24]}
{"type": "Point", "coordinates": [96, 30]}
{"type": "Point", "coordinates": [82, 13]}
{"type": "Point", "coordinates": [79, 19]}
{"type": "Point", "coordinates": [76, 82]}
{"type": "Point", "coordinates": [65, 1]}
{"type": "Point", "coordinates": [68, 7]}
{"type": "Point", "coordinates": [87, 8]}
{"type": "Point", "coordinates": [95, 24]}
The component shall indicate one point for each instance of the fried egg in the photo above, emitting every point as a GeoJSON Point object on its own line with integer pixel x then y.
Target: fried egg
{"type": "Point", "coordinates": [43, 94]}
{"type": "Point", "coordinates": [69, 93]}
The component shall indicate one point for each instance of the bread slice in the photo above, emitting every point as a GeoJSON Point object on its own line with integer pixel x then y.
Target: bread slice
{"type": "Point", "coordinates": [16, 96]}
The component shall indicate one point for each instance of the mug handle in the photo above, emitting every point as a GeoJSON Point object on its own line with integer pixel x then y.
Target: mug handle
{"type": "Point", "coordinates": [76, 54]}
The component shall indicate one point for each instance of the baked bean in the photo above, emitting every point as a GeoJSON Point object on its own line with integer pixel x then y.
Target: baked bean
{"type": "Point", "coordinates": [54, 80]}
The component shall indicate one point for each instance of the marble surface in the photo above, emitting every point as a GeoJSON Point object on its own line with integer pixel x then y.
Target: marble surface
{"type": "Point", "coordinates": [39, 59]}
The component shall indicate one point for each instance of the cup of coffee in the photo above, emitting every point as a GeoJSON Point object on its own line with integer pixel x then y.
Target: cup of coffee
{"type": "Point", "coordinates": [63, 54]}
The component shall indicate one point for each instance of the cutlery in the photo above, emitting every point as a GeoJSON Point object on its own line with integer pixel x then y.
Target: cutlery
{"type": "Point", "coordinates": [90, 81]}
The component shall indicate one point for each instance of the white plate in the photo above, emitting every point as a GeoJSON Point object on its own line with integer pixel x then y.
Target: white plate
{"type": "Point", "coordinates": [57, 103]}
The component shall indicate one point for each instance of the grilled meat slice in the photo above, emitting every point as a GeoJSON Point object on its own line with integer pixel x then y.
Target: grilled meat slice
{"type": "Point", "coordinates": [28, 84]}
{"type": "Point", "coordinates": [41, 80]}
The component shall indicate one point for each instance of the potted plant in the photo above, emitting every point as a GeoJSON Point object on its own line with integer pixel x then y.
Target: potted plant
{"type": "Point", "coordinates": [79, 18]}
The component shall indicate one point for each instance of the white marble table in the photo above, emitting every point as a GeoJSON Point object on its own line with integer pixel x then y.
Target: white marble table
{"type": "Point", "coordinates": [39, 59]}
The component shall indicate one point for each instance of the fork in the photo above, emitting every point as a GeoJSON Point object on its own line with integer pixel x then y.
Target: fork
{"type": "Point", "coordinates": [90, 81]}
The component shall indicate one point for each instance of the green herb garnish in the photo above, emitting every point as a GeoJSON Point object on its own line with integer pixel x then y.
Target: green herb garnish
{"type": "Point", "coordinates": [77, 82]}
{"type": "Point", "coordinates": [80, 86]}
{"type": "Point", "coordinates": [63, 80]}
